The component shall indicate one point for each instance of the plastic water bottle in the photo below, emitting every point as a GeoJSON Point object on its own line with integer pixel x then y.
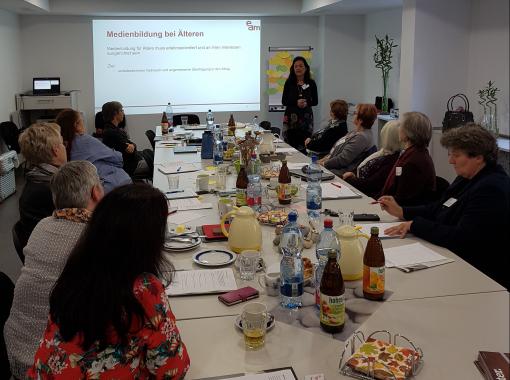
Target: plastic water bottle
{"type": "Point", "coordinates": [210, 120]}
{"type": "Point", "coordinates": [170, 116]}
{"type": "Point", "coordinates": [218, 146]}
{"type": "Point", "coordinates": [327, 241]}
{"type": "Point", "coordinates": [314, 191]}
{"type": "Point", "coordinates": [254, 189]}
{"type": "Point", "coordinates": [255, 123]}
{"type": "Point", "coordinates": [291, 266]}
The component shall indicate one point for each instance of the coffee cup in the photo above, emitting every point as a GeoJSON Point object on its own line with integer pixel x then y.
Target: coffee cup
{"type": "Point", "coordinates": [271, 282]}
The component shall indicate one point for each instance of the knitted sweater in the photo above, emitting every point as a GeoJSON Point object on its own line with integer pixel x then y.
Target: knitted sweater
{"type": "Point", "coordinates": [45, 256]}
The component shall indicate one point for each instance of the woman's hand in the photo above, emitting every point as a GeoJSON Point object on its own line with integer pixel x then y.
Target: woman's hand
{"type": "Point", "coordinates": [323, 160]}
{"type": "Point", "coordinates": [301, 103]}
{"type": "Point", "coordinates": [130, 148]}
{"type": "Point", "coordinates": [348, 175]}
{"type": "Point", "coordinates": [391, 206]}
{"type": "Point", "coordinates": [307, 141]}
{"type": "Point", "coordinates": [401, 230]}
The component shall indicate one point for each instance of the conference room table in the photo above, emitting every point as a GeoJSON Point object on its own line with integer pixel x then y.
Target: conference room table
{"type": "Point", "coordinates": [451, 311]}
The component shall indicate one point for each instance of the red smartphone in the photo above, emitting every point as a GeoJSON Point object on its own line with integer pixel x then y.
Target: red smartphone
{"type": "Point", "coordinates": [240, 295]}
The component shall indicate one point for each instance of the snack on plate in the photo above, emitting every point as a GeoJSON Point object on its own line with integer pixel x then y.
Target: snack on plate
{"type": "Point", "coordinates": [307, 268]}
{"type": "Point", "coordinates": [269, 172]}
{"type": "Point", "coordinates": [273, 217]}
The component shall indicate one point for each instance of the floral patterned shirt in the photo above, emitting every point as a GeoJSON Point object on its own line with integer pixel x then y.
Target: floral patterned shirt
{"type": "Point", "coordinates": [154, 351]}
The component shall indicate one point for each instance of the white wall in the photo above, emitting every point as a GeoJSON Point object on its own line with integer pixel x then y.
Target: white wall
{"type": "Point", "coordinates": [489, 55]}
{"type": "Point", "coordinates": [379, 24]}
{"type": "Point", "coordinates": [10, 63]}
{"type": "Point", "coordinates": [342, 76]}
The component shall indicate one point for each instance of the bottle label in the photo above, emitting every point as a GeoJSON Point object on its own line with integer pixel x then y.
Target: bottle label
{"type": "Point", "coordinates": [373, 279]}
{"type": "Point", "coordinates": [294, 289]}
{"type": "Point", "coordinates": [332, 310]}
{"type": "Point", "coordinates": [240, 197]}
{"type": "Point", "coordinates": [252, 201]}
{"type": "Point", "coordinates": [284, 191]}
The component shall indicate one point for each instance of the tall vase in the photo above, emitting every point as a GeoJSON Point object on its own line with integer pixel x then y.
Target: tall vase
{"type": "Point", "coordinates": [490, 120]}
{"type": "Point", "coordinates": [384, 105]}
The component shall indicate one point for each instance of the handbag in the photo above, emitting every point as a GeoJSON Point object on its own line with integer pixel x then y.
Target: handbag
{"type": "Point", "coordinates": [454, 119]}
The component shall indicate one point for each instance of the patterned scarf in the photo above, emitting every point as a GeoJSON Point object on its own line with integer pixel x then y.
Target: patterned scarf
{"type": "Point", "coordinates": [80, 215]}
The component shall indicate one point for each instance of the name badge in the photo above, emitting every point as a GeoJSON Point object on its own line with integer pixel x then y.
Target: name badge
{"type": "Point", "coordinates": [450, 202]}
{"type": "Point", "coordinates": [305, 86]}
{"type": "Point", "coordinates": [398, 171]}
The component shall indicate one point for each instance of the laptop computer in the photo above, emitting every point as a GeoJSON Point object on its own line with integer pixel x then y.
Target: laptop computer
{"type": "Point", "coordinates": [46, 86]}
{"type": "Point", "coordinates": [304, 176]}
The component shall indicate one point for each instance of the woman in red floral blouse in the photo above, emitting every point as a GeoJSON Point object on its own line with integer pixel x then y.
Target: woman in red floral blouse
{"type": "Point", "coordinates": [109, 315]}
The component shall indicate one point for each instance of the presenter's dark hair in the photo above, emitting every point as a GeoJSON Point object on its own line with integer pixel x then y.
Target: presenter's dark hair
{"type": "Point", "coordinates": [110, 109]}
{"type": "Point", "coordinates": [67, 119]}
{"type": "Point", "coordinates": [292, 75]}
{"type": "Point", "coordinates": [123, 239]}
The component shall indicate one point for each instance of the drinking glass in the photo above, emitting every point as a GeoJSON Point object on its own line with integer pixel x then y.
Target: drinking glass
{"type": "Point", "coordinates": [184, 120]}
{"type": "Point", "coordinates": [221, 177]}
{"type": "Point", "coordinates": [346, 218]}
{"type": "Point", "coordinates": [254, 321]}
{"type": "Point", "coordinates": [248, 262]}
{"type": "Point", "coordinates": [173, 182]}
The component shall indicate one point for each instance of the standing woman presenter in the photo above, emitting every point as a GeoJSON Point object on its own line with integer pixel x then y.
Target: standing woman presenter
{"type": "Point", "coordinates": [299, 95]}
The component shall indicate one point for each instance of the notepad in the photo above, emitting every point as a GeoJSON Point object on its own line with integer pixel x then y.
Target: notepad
{"type": "Point", "coordinates": [412, 254]}
{"type": "Point", "coordinates": [365, 228]}
{"type": "Point", "coordinates": [189, 204]}
{"type": "Point", "coordinates": [179, 167]}
{"type": "Point", "coordinates": [202, 282]}
{"type": "Point", "coordinates": [333, 192]}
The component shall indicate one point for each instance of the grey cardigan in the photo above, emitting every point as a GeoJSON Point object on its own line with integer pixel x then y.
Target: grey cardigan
{"type": "Point", "coordinates": [345, 154]}
{"type": "Point", "coordinates": [45, 256]}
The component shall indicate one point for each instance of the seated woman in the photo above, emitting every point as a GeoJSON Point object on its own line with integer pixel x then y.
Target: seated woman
{"type": "Point", "coordinates": [373, 171]}
{"type": "Point", "coordinates": [350, 150]}
{"type": "Point", "coordinates": [480, 195]}
{"type": "Point", "coordinates": [76, 189]}
{"type": "Point", "coordinates": [109, 314]}
{"type": "Point", "coordinates": [412, 180]}
{"type": "Point", "coordinates": [322, 141]}
{"type": "Point", "coordinates": [42, 147]}
{"type": "Point", "coordinates": [81, 146]}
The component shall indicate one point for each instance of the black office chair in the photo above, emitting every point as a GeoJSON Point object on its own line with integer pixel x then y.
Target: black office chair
{"type": "Point", "coordinates": [151, 135]}
{"type": "Point", "coordinates": [192, 118]}
{"type": "Point", "coordinates": [6, 297]}
{"type": "Point", "coordinates": [19, 240]}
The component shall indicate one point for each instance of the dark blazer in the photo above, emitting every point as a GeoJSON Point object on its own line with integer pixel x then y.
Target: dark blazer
{"type": "Point", "coordinates": [118, 139]}
{"type": "Point", "coordinates": [375, 174]}
{"type": "Point", "coordinates": [417, 181]}
{"type": "Point", "coordinates": [322, 141]}
{"type": "Point", "coordinates": [476, 227]}
{"type": "Point", "coordinates": [35, 202]}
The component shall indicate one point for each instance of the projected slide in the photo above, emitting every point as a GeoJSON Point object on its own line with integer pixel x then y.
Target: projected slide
{"type": "Point", "coordinates": [194, 64]}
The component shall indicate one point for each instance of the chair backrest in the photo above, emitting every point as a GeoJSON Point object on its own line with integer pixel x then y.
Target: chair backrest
{"type": "Point", "coordinates": [19, 240]}
{"type": "Point", "coordinates": [364, 155]}
{"type": "Point", "coordinates": [151, 135]}
{"type": "Point", "coordinates": [6, 297]}
{"type": "Point", "coordinates": [192, 118]}
{"type": "Point", "coordinates": [265, 125]}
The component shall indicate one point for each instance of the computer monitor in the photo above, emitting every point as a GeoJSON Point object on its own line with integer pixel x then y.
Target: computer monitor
{"type": "Point", "coordinates": [46, 86]}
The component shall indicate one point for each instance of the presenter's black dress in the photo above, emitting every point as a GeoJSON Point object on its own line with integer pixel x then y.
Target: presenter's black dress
{"type": "Point", "coordinates": [298, 122]}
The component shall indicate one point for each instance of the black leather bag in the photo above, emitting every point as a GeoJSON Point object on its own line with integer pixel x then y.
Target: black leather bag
{"type": "Point", "coordinates": [454, 119]}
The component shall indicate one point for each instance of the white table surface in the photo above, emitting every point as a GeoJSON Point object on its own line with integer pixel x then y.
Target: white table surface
{"type": "Point", "coordinates": [449, 330]}
{"type": "Point", "coordinates": [452, 310]}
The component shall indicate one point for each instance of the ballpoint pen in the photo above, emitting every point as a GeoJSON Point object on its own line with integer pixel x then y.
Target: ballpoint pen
{"type": "Point", "coordinates": [179, 169]}
{"type": "Point", "coordinates": [174, 191]}
{"type": "Point", "coordinates": [336, 185]}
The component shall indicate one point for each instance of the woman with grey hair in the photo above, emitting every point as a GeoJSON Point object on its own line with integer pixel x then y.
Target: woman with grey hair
{"type": "Point", "coordinates": [478, 196]}
{"type": "Point", "coordinates": [76, 190]}
{"type": "Point", "coordinates": [42, 147]}
{"type": "Point", "coordinates": [373, 171]}
{"type": "Point", "coordinates": [412, 180]}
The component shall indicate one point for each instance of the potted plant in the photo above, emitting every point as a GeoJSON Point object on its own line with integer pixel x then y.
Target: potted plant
{"type": "Point", "coordinates": [488, 102]}
{"type": "Point", "coordinates": [382, 58]}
